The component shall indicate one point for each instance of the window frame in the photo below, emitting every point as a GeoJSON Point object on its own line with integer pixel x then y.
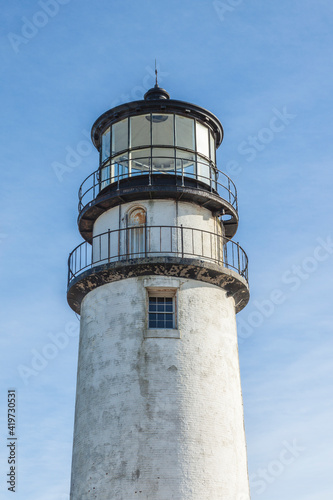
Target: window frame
{"type": "Point", "coordinates": [163, 293]}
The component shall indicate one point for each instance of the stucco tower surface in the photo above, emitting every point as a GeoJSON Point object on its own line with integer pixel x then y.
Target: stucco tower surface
{"type": "Point", "coordinates": [159, 412]}
{"type": "Point", "coordinates": [158, 418]}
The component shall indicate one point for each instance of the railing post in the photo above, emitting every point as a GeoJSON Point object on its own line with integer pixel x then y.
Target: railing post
{"type": "Point", "coordinates": [182, 172]}
{"type": "Point", "coordinates": [182, 239]}
{"type": "Point", "coordinates": [239, 266]}
{"type": "Point", "coordinates": [145, 229]}
{"type": "Point", "coordinates": [109, 244]}
{"type": "Point", "coordinates": [69, 269]}
{"type": "Point", "coordinates": [150, 169]}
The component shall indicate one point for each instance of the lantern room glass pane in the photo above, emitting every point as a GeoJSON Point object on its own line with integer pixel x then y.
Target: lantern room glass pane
{"type": "Point", "coordinates": [163, 129]}
{"type": "Point", "coordinates": [163, 160]}
{"type": "Point", "coordinates": [203, 170]}
{"type": "Point", "coordinates": [212, 147]}
{"type": "Point", "coordinates": [185, 163]}
{"type": "Point", "coordinates": [140, 161]}
{"type": "Point", "coordinates": [185, 132]}
{"type": "Point", "coordinates": [106, 145]}
{"type": "Point", "coordinates": [119, 136]}
{"type": "Point", "coordinates": [119, 168]}
{"type": "Point", "coordinates": [140, 131]}
{"type": "Point", "coordinates": [202, 139]}
{"type": "Point", "coordinates": [105, 176]}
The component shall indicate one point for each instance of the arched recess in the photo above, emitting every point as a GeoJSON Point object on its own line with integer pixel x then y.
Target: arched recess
{"type": "Point", "coordinates": [136, 232]}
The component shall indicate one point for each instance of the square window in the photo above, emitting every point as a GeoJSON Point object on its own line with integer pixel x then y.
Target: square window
{"type": "Point", "coordinates": [161, 311]}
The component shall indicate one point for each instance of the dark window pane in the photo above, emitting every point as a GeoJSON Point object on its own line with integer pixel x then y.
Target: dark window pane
{"type": "Point", "coordinates": [160, 300]}
{"type": "Point", "coordinates": [152, 307]}
{"type": "Point", "coordinates": [169, 324]}
{"type": "Point", "coordinates": [168, 300]}
{"type": "Point", "coordinates": [168, 317]}
{"type": "Point", "coordinates": [168, 308]}
{"type": "Point", "coordinates": [160, 323]}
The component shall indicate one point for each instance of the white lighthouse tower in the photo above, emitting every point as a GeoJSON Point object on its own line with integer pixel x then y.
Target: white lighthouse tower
{"type": "Point", "coordinates": [158, 282]}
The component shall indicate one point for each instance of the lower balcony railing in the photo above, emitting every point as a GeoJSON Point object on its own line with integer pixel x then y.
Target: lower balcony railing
{"type": "Point", "coordinates": [139, 242]}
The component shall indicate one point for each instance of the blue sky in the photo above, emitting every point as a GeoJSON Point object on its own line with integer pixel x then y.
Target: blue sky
{"type": "Point", "coordinates": [264, 68]}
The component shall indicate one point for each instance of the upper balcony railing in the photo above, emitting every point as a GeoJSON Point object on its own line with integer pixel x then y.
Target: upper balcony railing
{"type": "Point", "coordinates": [116, 172]}
{"type": "Point", "coordinates": [140, 242]}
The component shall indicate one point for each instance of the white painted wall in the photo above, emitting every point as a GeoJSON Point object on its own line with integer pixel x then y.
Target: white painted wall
{"type": "Point", "coordinates": [158, 418]}
{"type": "Point", "coordinates": [160, 213]}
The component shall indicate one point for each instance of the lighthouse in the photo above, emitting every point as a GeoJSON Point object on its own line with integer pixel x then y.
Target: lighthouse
{"type": "Point", "coordinates": [157, 283]}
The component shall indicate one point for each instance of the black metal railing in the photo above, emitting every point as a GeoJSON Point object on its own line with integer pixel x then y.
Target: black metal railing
{"type": "Point", "coordinates": [116, 172]}
{"type": "Point", "coordinates": [152, 241]}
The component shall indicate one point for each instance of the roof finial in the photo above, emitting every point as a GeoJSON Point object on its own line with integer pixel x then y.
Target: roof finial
{"type": "Point", "coordinates": [156, 83]}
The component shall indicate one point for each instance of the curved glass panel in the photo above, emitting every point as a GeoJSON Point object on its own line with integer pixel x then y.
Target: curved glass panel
{"type": "Point", "coordinates": [163, 129]}
{"type": "Point", "coordinates": [140, 131]}
{"type": "Point", "coordinates": [119, 136]}
{"type": "Point", "coordinates": [203, 170]}
{"type": "Point", "coordinates": [163, 160]}
{"type": "Point", "coordinates": [106, 145]}
{"type": "Point", "coordinates": [140, 161]}
{"type": "Point", "coordinates": [105, 176]}
{"type": "Point", "coordinates": [185, 132]}
{"type": "Point", "coordinates": [202, 139]}
{"type": "Point", "coordinates": [185, 163]}
{"type": "Point", "coordinates": [212, 147]}
{"type": "Point", "coordinates": [119, 168]}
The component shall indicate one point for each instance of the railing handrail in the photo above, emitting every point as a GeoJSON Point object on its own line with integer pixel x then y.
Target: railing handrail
{"type": "Point", "coordinates": [229, 185]}
{"type": "Point", "coordinates": [239, 262]}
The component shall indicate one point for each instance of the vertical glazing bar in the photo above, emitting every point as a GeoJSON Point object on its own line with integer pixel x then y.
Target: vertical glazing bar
{"type": "Point", "coordinates": [150, 167]}
{"type": "Point", "coordinates": [151, 146]}
{"type": "Point", "coordinates": [210, 176]}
